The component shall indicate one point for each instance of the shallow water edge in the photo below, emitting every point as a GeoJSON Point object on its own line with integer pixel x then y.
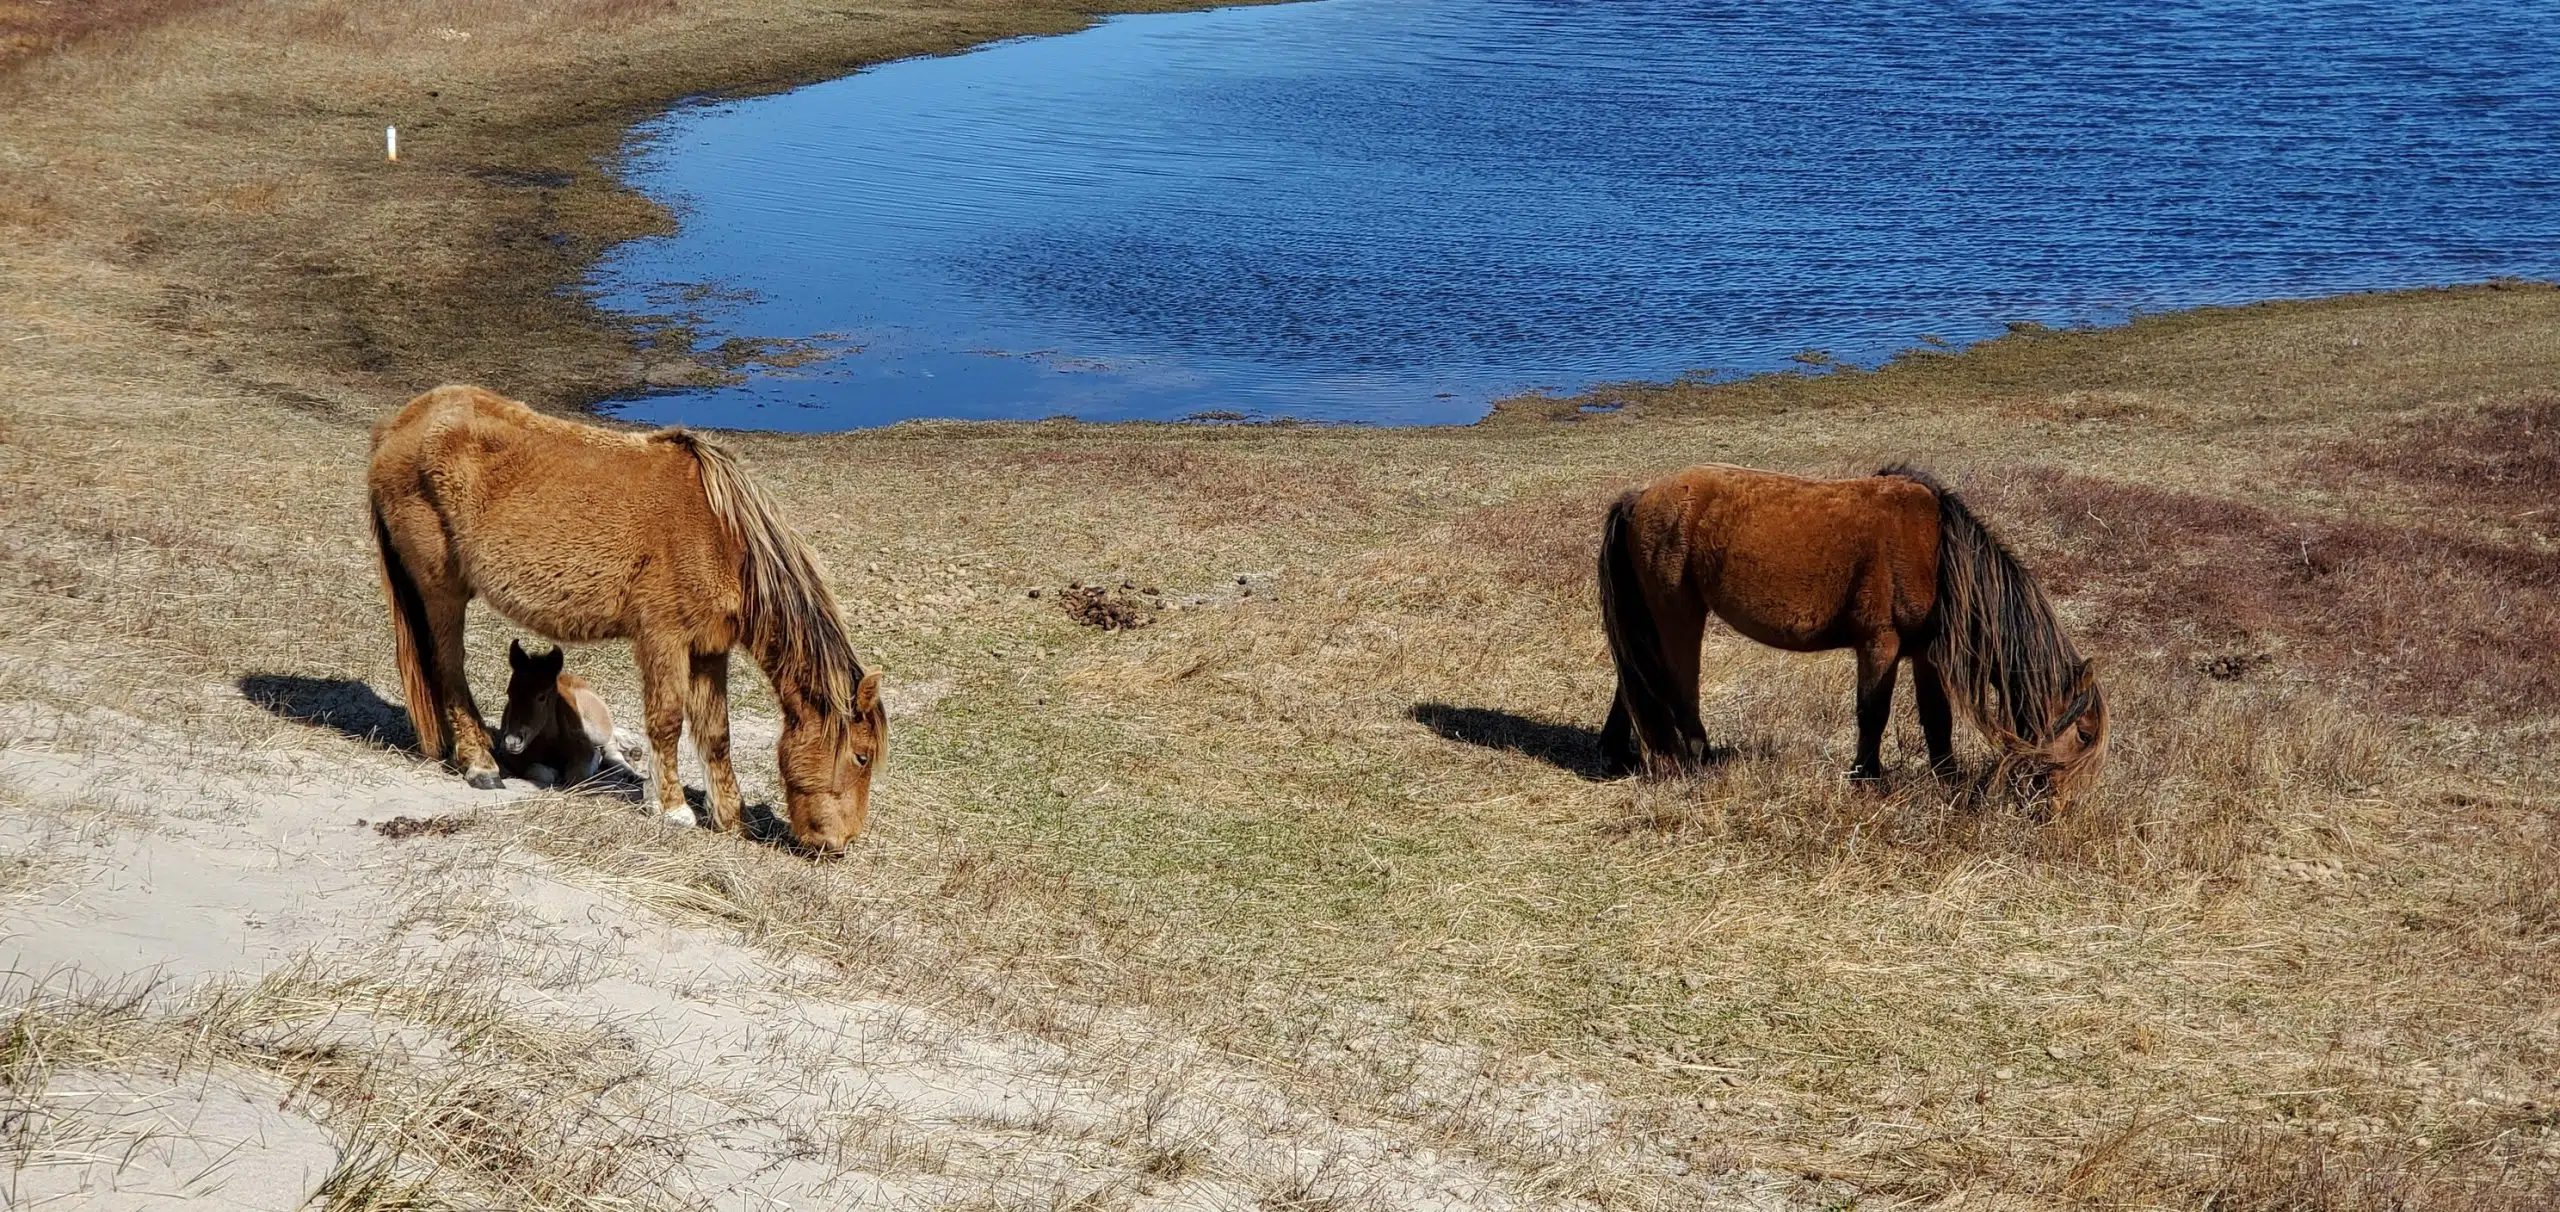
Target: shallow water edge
{"type": "Point", "coordinates": [1034, 229]}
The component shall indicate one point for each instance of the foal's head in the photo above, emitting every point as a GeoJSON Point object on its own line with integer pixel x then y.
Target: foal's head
{"type": "Point", "coordinates": [535, 711]}
{"type": "Point", "coordinates": [827, 757]}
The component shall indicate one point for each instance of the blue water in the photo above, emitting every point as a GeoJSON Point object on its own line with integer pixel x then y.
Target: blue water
{"type": "Point", "coordinates": [1394, 211]}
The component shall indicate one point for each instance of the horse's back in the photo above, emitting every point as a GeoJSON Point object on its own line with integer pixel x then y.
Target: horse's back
{"type": "Point", "coordinates": [471, 448]}
{"type": "Point", "coordinates": [572, 530]}
{"type": "Point", "coordinates": [1797, 562]}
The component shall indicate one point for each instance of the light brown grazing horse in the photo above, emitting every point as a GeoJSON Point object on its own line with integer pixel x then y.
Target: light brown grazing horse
{"type": "Point", "coordinates": [556, 730]}
{"type": "Point", "coordinates": [1892, 565]}
{"type": "Point", "coordinates": [583, 534]}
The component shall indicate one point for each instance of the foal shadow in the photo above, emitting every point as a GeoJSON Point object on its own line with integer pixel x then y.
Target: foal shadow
{"type": "Point", "coordinates": [342, 705]}
{"type": "Point", "coordinates": [1569, 747]}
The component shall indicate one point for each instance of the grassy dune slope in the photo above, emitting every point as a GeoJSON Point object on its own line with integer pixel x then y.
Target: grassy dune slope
{"type": "Point", "coordinates": [1333, 809]}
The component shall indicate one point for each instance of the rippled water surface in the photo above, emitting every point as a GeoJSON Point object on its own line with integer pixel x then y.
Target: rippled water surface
{"type": "Point", "coordinates": [1395, 210]}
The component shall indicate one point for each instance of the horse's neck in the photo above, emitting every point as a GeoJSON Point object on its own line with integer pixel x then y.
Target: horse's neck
{"type": "Point", "coordinates": [791, 685]}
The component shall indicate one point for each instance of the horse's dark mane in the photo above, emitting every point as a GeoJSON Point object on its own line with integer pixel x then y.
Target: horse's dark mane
{"type": "Point", "coordinates": [2004, 655]}
{"type": "Point", "coordinates": [789, 618]}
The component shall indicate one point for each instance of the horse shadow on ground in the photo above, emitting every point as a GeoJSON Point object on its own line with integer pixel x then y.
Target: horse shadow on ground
{"type": "Point", "coordinates": [1568, 747]}
{"type": "Point", "coordinates": [757, 821]}
{"type": "Point", "coordinates": [342, 705]}
{"type": "Point", "coordinates": [352, 709]}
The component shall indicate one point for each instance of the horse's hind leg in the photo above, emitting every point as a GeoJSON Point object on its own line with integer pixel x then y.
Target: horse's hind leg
{"type": "Point", "coordinates": [1937, 719]}
{"type": "Point", "coordinates": [1682, 626]}
{"type": "Point", "coordinates": [707, 705]}
{"type": "Point", "coordinates": [1619, 753]}
{"type": "Point", "coordinates": [1878, 659]}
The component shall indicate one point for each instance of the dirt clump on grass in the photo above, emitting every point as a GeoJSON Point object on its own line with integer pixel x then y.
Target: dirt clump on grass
{"type": "Point", "coordinates": [402, 828]}
{"type": "Point", "coordinates": [1107, 608]}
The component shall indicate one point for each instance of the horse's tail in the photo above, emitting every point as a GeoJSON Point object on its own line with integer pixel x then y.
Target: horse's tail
{"type": "Point", "coordinates": [1994, 637]}
{"type": "Point", "coordinates": [789, 619]}
{"type": "Point", "coordinates": [1635, 643]}
{"type": "Point", "coordinates": [412, 643]}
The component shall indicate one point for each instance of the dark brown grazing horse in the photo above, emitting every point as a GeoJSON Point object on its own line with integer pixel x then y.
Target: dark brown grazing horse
{"type": "Point", "coordinates": [1892, 565]}
{"type": "Point", "coordinates": [584, 534]}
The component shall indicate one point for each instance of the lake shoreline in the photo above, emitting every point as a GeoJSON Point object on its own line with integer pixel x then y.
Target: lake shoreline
{"type": "Point", "coordinates": [1045, 195]}
{"type": "Point", "coordinates": [296, 288]}
{"type": "Point", "coordinates": [325, 270]}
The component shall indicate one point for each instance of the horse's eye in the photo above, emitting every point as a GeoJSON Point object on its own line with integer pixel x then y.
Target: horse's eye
{"type": "Point", "coordinates": [862, 759]}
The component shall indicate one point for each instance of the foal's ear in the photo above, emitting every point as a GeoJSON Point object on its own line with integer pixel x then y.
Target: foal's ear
{"type": "Point", "coordinates": [550, 664]}
{"type": "Point", "coordinates": [516, 658]}
{"type": "Point", "coordinates": [866, 694]}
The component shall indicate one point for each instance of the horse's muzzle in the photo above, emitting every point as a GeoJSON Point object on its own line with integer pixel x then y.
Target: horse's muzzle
{"type": "Point", "coordinates": [512, 744]}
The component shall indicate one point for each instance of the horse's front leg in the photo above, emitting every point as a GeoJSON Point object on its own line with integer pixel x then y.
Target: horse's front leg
{"type": "Point", "coordinates": [470, 737]}
{"type": "Point", "coordinates": [664, 673]}
{"type": "Point", "coordinates": [708, 707]}
{"type": "Point", "coordinates": [1877, 661]}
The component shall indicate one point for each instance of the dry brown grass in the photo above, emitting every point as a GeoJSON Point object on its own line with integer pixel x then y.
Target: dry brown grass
{"type": "Point", "coordinates": [33, 27]}
{"type": "Point", "coordinates": [1337, 819]}
{"type": "Point", "coordinates": [440, 1092]}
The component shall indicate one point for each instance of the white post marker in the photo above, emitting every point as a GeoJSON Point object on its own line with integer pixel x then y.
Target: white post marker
{"type": "Point", "coordinates": [391, 143]}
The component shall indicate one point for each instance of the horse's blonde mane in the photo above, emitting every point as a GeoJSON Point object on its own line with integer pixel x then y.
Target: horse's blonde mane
{"type": "Point", "coordinates": [788, 616]}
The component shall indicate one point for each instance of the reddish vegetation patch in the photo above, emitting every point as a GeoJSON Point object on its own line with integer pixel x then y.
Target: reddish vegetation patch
{"type": "Point", "coordinates": [32, 27]}
{"type": "Point", "coordinates": [2425, 620]}
{"type": "Point", "coordinates": [2502, 463]}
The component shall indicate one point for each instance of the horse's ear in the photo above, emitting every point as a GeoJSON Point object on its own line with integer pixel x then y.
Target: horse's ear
{"type": "Point", "coordinates": [866, 694]}
{"type": "Point", "coordinates": [550, 664]}
{"type": "Point", "coordinates": [2085, 675]}
{"type": "Point", "coordinates": [516, 658]}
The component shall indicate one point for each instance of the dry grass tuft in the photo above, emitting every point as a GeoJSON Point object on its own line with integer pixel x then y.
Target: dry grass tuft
{"type": "Point", "coordinates": [438, 1087]}
{"type": "Point", "coordinates": [1550, 545]}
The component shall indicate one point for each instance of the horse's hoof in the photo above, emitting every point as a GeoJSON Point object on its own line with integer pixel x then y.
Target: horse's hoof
{"type": "Point", "coordinates": [677, 818]}
{"type": "Point", "coordinates": [485, 780]}
{"type": "Point", "coordinates": [1866, 777]}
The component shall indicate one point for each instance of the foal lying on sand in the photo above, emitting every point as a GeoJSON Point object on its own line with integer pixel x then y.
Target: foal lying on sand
{"type": "Point", "coordinates": [556, 730]}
